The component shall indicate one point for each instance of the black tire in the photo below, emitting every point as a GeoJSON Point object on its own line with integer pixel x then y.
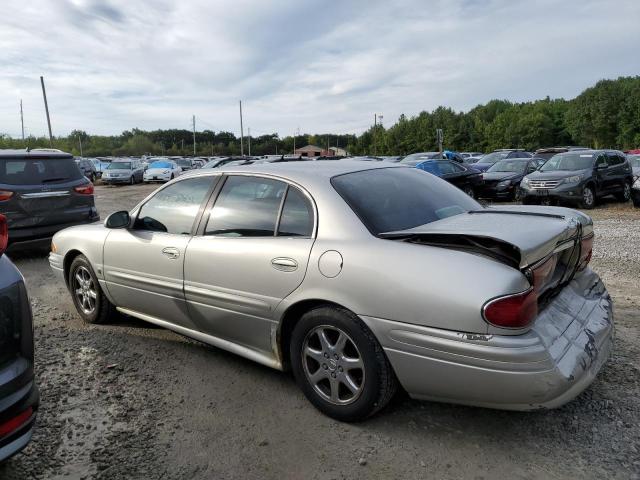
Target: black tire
{"type": "Point", "coordinates": [378, 381]}
{"type": "Point", "coordinates": [625, 194]}
{"type": "Point", "coordinates": [588, 200]}
{"type": "Point", "coordinates": [93, 178]}
{"type": "Point", "coordinates": [469, 191]}
{"type": "Point", "coordinates": [103, 309]}
{"type": "Point", "coordinates": [132, 181]}
{"type": "Point", "coordinates": [172, 177]}
{"type": "Point", "coordinates": [517, 194]}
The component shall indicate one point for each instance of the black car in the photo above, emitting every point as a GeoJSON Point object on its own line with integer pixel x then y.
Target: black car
{"type": "Point", "coordinates": [579, 177]}
{"type": "Point", "coordinates": [502, 180]}
{"type": "Point", "coordinates": [19, 396]}
{"type": "Point", "coordinates": [465, 178]}
{"type": "Point", "coordinates": [88, 168]}
{"type": "Point", "coordinates": [494, 157]}
{"type": "Point", "coordinates": [42, 192]}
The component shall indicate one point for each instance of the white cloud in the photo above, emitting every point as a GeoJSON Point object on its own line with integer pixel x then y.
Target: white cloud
{"type": "Point", "coordinates": [321, 65]}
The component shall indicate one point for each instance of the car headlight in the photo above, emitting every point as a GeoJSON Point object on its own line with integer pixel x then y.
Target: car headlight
{"type": "Point", "coordinates": [166, 171]}
{"type": "Point", "coordinates": [504, 183]}
{"type": "Point", "coordinates": [574, 179]}
{"type": "Point", "coordinates": [525, 182]}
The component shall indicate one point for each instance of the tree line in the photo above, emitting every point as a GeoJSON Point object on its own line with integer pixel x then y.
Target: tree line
{"type": "Point", "coordinates": [606, 115]}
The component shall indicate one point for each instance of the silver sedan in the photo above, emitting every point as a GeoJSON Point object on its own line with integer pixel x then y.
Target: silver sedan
{"type": "Point", "coordinates": [359, 277]}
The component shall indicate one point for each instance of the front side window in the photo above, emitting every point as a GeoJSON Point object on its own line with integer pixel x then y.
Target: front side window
{"type": "Point", "coordinates": [390, 199]}
{"type": "Point", "coordinates": [297, 215]}
{"type": "Point", "coordinates": [174, 208]}
{"type": "Point", "coordinates": [246, 207]}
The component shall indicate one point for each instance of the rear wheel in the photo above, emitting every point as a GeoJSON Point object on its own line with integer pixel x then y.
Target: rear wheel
{"type": "Point", "coordinates": [132, 180]}
{"type": "Point", "coordinates": [588, 197]}
{"type": "Point", "coordinates": [625, 194]}
{"type": "Point", "coordinates": [88, 298]}
{"type": "Point", "coordinates": [339, 365]}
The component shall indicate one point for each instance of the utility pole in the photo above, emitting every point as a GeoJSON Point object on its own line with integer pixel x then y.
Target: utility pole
{"type": "Point", "coordinates": [249, 129]}
{"type": "Point", "coordinates": [46, 108]}
{"type": "Point", "coordinates": [294, 140]}
{"type": "Point", "coordinates": [241, 132]}
{"type": "Point", "coordinates": [194, 135]}
{"type": "Point", "coordinates": [375, 121]}
{"type": "Point", "coordinates": [22, 120]}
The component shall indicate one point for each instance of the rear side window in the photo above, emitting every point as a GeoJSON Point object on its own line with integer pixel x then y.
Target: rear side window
{"type": "Point", "coordinates": [246, 207]}
{"type": "Point", "coordinates": [174, 208]}
{"type": "Point", "coordinates": [390, 199]}
{"type": "Point", "coordinates": [297, 215]}
{"type": "Point", "coordinates": [30, 171]}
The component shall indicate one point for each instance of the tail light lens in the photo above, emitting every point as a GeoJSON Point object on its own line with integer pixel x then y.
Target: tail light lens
{"type": "Point", "coordinates": [16, 422]}
{"type": "Point", "coordinates": [85, 189]}
{"type": "Point", "coordinates": [5, 195]}
{"type": "Point", "coordinates": [586, 250]}
{"type": "Point", "coordinates": [512, 311]}
{"type": "Point", "coordinates": [4, 234]}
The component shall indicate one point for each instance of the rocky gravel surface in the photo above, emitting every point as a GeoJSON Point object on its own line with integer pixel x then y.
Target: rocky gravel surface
{"type": "Point", "coordinates": [128, 400]}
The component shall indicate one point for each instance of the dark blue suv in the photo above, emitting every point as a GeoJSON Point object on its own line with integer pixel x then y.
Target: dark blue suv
{"type": "Point", "coordinates": [19, 396]}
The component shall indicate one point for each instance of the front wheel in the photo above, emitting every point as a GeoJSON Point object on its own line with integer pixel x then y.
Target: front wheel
{"type": "Point", "coordinates": [469, 191]}
{"type": "Point", "coordinates": [588, 197]}
{"type": "Point", "coordinates": [339, 365]}
{"type": "Point", "coordinates": [88, 298]}
{"type": "Point", "coordinates": [625, 195]}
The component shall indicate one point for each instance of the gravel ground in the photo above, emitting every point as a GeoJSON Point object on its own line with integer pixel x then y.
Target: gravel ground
{"type": "Point", "coordinates": [128, 400]}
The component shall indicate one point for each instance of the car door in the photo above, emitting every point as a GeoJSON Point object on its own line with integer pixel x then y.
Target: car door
{"type": "Point", "coordinates": [617, 171]}
{"type": "Point", "coordinates": [601, 174]}
{"type": "Point", "coordinates": [143, 265]}
{"type": "Point", "coordinates": [251, 252]}
{"type": "Point", "coordinates": [452, 174]}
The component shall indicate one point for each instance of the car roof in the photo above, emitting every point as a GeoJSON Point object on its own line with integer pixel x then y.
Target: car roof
{"type": "Point", "coordinates": [39, 153]}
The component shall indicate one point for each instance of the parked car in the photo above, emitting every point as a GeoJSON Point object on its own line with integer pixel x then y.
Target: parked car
{"type": "Point", "coordinates": [19, 396]}
{"type": "Point", "coordinates": [88, 168]}
{"type": "Point", "coordinates": [218, 162]}
{"type": "Point", "coordinates": [579, 177]}
{"type": "Point", "coordinates": [127, 171]}
{"type": "Point", "coordinates": [494, 157]}
{"type": "Point", "coordinates": [502, 179]}
{"type": "Point", "coordinates": [464, 304]}
{"type": "Point", "coordinates": [161, 171]}
{"type": "Point", "coordinates": [547, 153]}
{"type": "Point", "coordinates": [634, 161]}
{"type": "Point", "coordinates": [42, 192]}
{"type": "Point", "coordinates": [391, 158]}
{"type": "Point", "coordinates": [463, 177]}
{"type": "Point", "coordinates": [100, 165]}
{"type": "Point", "coordinates": [186, 164]}
{"type": "Point", "coordinates": [416, 158]}
{"type": "Point", "coordinates": [467, 155]}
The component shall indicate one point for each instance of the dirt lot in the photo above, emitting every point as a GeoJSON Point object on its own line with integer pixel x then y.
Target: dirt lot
{"type": "Point", "coordinates": [128, 400]}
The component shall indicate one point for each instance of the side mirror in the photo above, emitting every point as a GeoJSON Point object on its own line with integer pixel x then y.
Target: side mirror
{"type": "Point", "coordinates": [118, 220]}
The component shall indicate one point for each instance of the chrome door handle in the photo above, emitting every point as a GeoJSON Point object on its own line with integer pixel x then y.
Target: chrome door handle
{"type": "Point", "coordinates": [171, 252]}
{"type": "Point", "coordinates": [284, 264]}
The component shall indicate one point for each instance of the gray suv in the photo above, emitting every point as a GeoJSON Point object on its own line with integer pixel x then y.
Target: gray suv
{"type": "Point", "coordinates": [19, 396]}
{"type": "Point", "coordinates": [579, 177]}
{"type": "Point", "coordinates": [127, 170]}
{"type": "Point", "coordinates": [43, 191]}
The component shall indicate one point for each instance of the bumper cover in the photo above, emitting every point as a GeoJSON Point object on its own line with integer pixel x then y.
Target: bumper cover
{"type": "Point", "coordinates": [571, 193]}
{"type": "Point", "coordinates": [47, 231]}
{"type": "Point", "coordinates": [544, 368]}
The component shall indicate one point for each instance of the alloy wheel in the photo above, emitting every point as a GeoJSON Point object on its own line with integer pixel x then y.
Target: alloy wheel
{"type": "Point", "coordinates": [626, 193]}
{"type": "Point", "coordinates": [333, 365]}
{"type": "Point", "coordinates": [587, 196]}
{"type": "Point", "coordinates": [85, 290]}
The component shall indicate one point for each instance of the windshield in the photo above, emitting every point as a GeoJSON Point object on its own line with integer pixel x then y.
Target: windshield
{"type": "Point", "coordinates": [493, 157]}
{"type": "Point", "coordinates": [416, 158]}
{"type": "Point", "coordinates": [390, 199]}
{"type": "Point", "coordinates": [515, 166]}
{"type": "Point", "coordinates": [119, 166]}
{"type": "Point", "coordinates": [27, 171]}
{"type": "Point", "coordinates": [634, 161]}
{"type": "Point", "coordinates": [160, 165]}
{"type": "Point", "coordinates": [568, 162]}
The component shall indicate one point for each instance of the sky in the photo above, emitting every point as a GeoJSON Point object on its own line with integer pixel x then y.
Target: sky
{"type": "Point", "coordinates": [318, 65]}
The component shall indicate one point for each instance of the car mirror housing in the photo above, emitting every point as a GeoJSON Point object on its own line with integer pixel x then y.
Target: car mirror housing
{"type": "Point", "coordinates": [118, 220]}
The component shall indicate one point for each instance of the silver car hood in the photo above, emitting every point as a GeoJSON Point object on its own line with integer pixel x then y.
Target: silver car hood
{"type": "Point", "coordinates": [526, 234]}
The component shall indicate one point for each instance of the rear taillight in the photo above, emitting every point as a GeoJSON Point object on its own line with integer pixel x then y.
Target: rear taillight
{"type": "Point", "coordinates": [543, 273]}
{"type": "Point", "coordinates": [512, 311]}
{"type": "Point", "coordinates": [5, 195]}
{"type": "Point", "coordinates": [84, 189]}
{"type": "Point", "coordinates": [586, 250]}
{"type": "Point", "coordinates": [4, 234]}
{"type": "Point", "coordinates": [16, 422]}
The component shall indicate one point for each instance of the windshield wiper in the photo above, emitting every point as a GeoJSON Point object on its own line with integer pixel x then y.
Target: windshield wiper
{"type": "Point", "coordinates": [55, 179]}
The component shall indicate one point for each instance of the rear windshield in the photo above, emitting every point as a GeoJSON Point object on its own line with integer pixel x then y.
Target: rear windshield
{"type": "Point", "coordinates": [494, 157]}
{"type": "Point", "coordinates": [29, 171]}
{"type": "Point", "coordinates": [416, 158]}
{"type": "Point", "coordinates": [568, 162]}
{"type": "Point", "coordinates": [184, 163]}
{"type": "Point", "coordinates": [160, 165]}
{"type": "Point", "coordinates": [389, 199]}
{"type": "Point", "coordinates": [119, 166]}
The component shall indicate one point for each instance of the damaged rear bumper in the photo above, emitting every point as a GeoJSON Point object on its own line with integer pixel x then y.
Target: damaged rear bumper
{"type": "Point", "coordinates": [544, 368]}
